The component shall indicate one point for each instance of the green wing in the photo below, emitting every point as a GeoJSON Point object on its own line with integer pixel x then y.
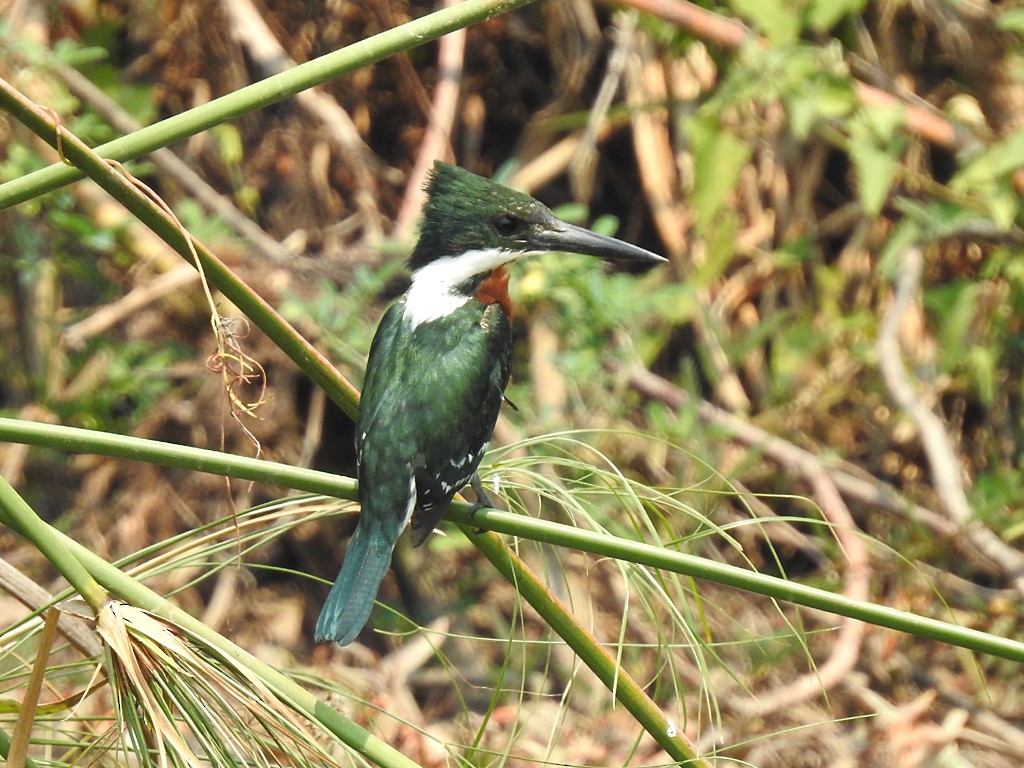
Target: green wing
{"type": "Point", "coordinates": [430, 400]}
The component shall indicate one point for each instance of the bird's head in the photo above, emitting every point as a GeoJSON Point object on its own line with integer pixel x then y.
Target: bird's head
{"type": "Point", "coordinates": [468, 214]}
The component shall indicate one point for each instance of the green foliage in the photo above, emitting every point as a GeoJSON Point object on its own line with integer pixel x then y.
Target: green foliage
{"type": "Point", "coordinates": [719, 156]}
{"type": "Point", "coordinates": [1011, 20]}
{"type": "Point", "coordinates": [123, 380]}
{"type": "Point", "coordinates": [774, 19]}
{"type": "Point", "coordinates": [783, 21]}
{"type": "Point", "coordinates": [998, 500]}
{"type": "Point", "coordinates": [590, 307]}
{"type": "Point", "coordinates": [816, 87]}
{"type": "Point", "coordinates": [987, 180]}
{"type": "Point", "coordinates": [203, 226]}
{"type": "Point", "coordinates": [876, 144]}
{"type": "Point", "coordinates": [36, 54]}
{"type": "Point", "coordinates": [813, 84]}
{"type": "Point", "coordinates": [342, 319]}
{"type": "Point", "coordinates": [133, 97]}
{"type": "Point", "coordinates": [812, 81]}
{"type": "Point", "coordinates": [823, 15]}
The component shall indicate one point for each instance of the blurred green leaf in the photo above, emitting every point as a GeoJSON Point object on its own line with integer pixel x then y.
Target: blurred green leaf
{"type": "Point", "coordinates": [74, 54]}
{"type": "Point", "coordinates": [719, 156]}
{"type": "Point", "coordinates": [778, 20]}
{"type": "Point", "coordinates": [1011, 21]}
{"type": "Point", "coordinates": [953, 305]}
{"type": "Point", "coordinates": [822, 15]}
{"type": "Point", "coordinates": [135, 98]}
{"type": "Point", "coordinates": [998, 499]}
{"type": "Point", "coordinates": [876, 170]}
{"type": "Point", "coordinates": [988, 179]}
{"type": "Point", "coordinates": [876, 146]}
{"type": "Point", "coordinates": [229, 143]}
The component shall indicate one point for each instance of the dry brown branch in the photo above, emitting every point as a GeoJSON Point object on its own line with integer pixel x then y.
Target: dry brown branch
{"type": "Point", "coordinates": [706, 25]}
{"type": "Point", "coordinates": [249, 28]}
{"type": "Point", "coordinates": [946, 468]}
{"type": "Point", "coordinates": [175, 167]}
{"type": "Point", "coordinates": [730, 33]}
{"type": "Point", "coordinates": [553, 161]}
{"type": "Point", "coordinates": [583, 167]}
{"type": "Point", "coordinates": [652, 145]}
{"type": "Point", "coordinates": [977, 544]}
{"type": "Point", "coordinates": [34, 597]}
{"type": "Point", "coordinates": [438, 135]}
{"type": "Point", "coordinates": [104, 318]}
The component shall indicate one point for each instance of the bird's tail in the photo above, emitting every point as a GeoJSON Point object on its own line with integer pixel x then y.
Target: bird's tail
{"type": "Point", "coordinates": [349, 604]}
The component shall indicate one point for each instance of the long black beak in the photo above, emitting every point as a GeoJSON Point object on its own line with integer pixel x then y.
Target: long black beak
{"type": "Point", "coordinates": [561, 236]}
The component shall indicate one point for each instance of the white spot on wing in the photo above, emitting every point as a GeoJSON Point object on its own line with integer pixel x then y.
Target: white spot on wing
{"type": "Point", "coordinates": [411, 504]}
{"type": "Point", "coordinates": [460, 463]}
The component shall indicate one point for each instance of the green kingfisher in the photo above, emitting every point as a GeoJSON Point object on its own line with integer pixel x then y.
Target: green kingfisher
{"type": "Point", "coordinates": [437, 371]}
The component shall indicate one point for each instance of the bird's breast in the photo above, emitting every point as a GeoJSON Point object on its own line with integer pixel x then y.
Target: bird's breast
{"type": "Point", "coordinates": [494, 290]}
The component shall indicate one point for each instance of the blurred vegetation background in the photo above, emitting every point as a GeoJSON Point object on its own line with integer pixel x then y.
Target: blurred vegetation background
{"type": "Point", "coordinates": [828, 375]}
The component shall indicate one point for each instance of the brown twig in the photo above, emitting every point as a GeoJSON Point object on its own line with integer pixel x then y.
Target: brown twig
{"type": "Point", "coordinates": [34, 597]}
{"type": "Point", "coordinates": [729, 33]}
{"type": "Point", "coordinates": [249, 28]}
{"type": "Point", "coordinates": [175, 167]}
{"type": "Point", "coordinates": [706, 25]}
{"type": "Point", "coordinates": [75, 336]}
{"type": "Point", "coordinates": [583, 166]}
{"type": "Point", "coordinates": [437, 138]}
{"type": "Point", "coordinates": [946, 468]}
{"type": "Point", "coordinates": [646, 85]}
{"type": "Point", "coordinates": [977, 544]}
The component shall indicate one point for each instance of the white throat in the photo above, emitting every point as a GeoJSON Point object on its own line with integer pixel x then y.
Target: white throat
{"type": "Point", "coordinates": [432, 294]}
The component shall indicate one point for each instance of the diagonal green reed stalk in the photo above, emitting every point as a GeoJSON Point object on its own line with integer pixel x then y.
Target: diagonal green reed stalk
{"type": "Point", "coordinates": [532, 589]}
{"type": "Point", "coordinates": [556, 534]}
{"type": "Point", "coordinates": [264, 93]}
{"type": "Point", "coordinates": [22, 518]}
{"type": "Point", "coordinates": [18, 516]}
{"type": "Point", "coordinates": [217, 273]}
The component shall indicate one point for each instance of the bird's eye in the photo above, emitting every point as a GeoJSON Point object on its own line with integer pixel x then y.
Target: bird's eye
{"type": "Point", "coordinates": [506, 224]}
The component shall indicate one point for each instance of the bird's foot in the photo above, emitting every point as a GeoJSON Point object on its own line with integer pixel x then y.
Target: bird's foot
{"type": "Point", "coordinates": [483, 501]}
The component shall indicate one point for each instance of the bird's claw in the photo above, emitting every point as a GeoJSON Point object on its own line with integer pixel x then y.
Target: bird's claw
{"type": "Point", "coordinates": [483, 501]}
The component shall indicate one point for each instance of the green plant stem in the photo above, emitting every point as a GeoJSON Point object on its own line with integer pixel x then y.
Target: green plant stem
{"type": "Point", "coordinates": [163, 454]}
{"type": "Point", "coordinates": [593, 654]}
{"type": "Point", "coordinates": [215, 462]}
{"type": "Point", "coordinates": [323, 374]}
{"type": "Point", "coordinates": [604, 545]}
{"type": "Point", "coordinates": [70, 438]}
{"type": "Point", "coordinates": [96, 569]}
{"type": "Point", "coordinates": [264, 93]}
{"type": "Point", "coordinates": [19, 516]}
{"type": "Point", "coordinates": [131, 197]}
{"type": "Point", "coordinates": [647, 713]}
{"type": "Point", "coordinates": [5, 750]}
